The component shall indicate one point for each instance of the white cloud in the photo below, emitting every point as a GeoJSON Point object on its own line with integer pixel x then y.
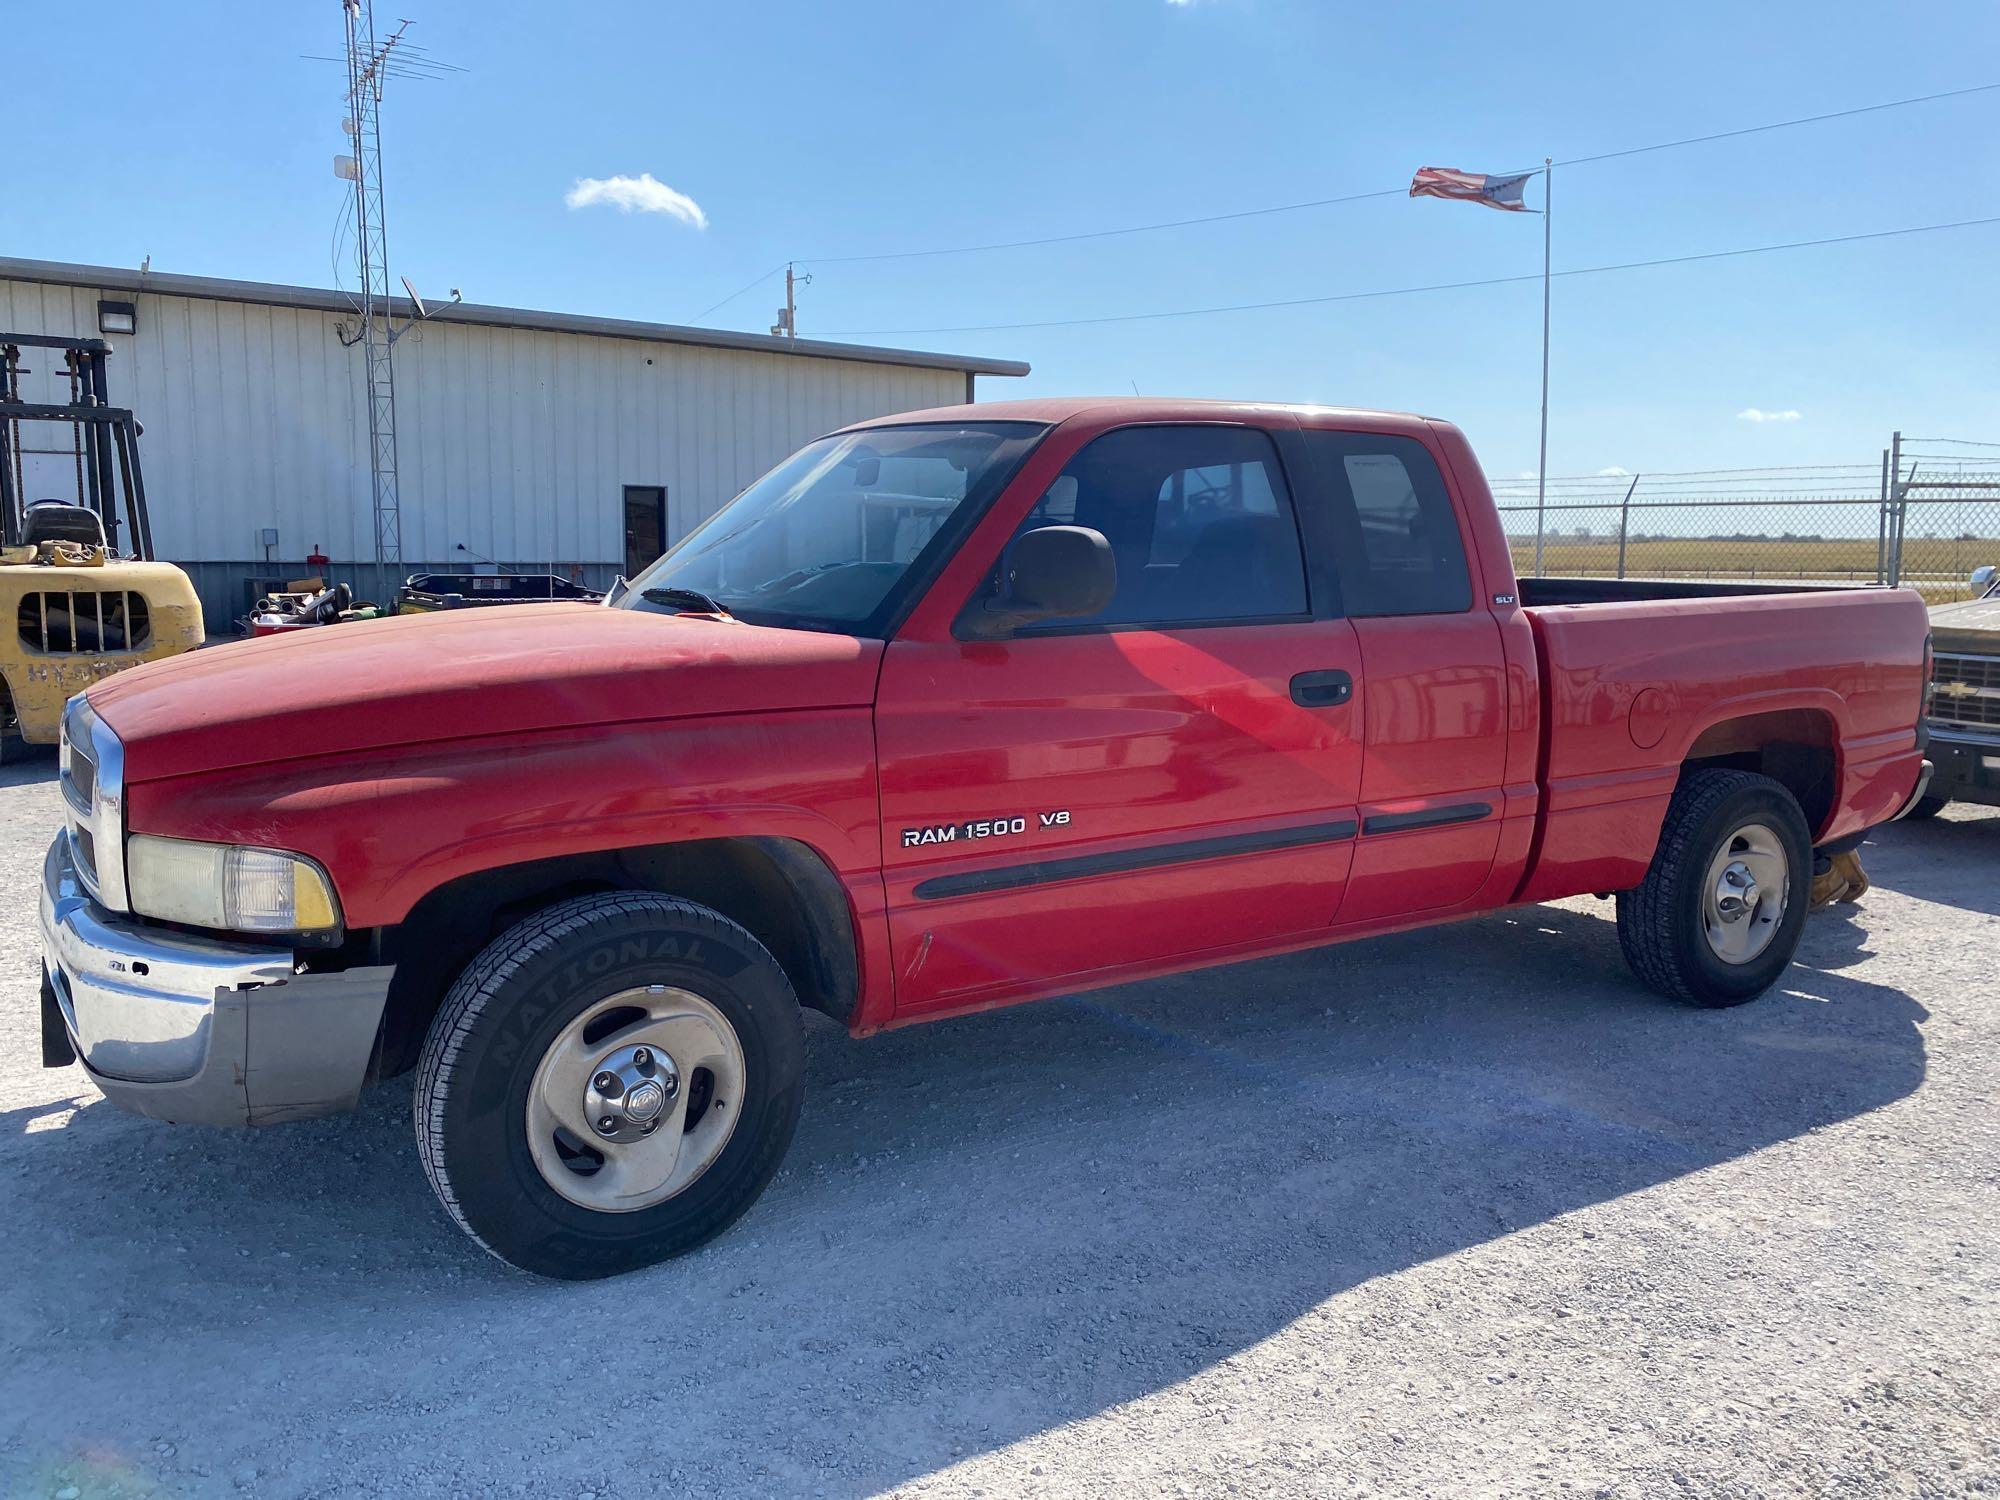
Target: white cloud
{"type": "Point", "coordinates": [1758, 414]}
{"type": "Point", "coordinates": [644, 194]}
{"type": "Point", "coordinates": [1614, 472]}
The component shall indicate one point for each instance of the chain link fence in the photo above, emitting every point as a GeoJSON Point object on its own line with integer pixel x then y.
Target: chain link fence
{"type": "Point", "coordinates": [1925, 516]}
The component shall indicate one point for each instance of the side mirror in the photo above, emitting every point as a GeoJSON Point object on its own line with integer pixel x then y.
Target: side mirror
{"type": "Point", "coordinates": [1051, 573]}
{"type": "Point", "coordinates": [1983, 575]}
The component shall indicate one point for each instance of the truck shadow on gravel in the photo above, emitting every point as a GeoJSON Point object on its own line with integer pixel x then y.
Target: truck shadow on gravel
{"type": "Point", "coordinates": [987, 1228]}
{"type": "Point", "coordinates": [1950, 859]}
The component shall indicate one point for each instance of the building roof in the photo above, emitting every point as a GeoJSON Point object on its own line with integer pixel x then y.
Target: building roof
{"type": "Point", "coordinates": [1054, 409]}
{"type": "Point", "coordinates": [318, 299]}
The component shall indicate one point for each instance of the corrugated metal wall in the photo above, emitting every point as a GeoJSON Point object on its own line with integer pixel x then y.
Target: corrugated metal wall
{"type": "Point", "coordinates": [517, 443]}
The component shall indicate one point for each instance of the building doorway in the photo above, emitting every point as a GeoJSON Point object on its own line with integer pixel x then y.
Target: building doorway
{"type": "Point", "coordinates": [645, 526]}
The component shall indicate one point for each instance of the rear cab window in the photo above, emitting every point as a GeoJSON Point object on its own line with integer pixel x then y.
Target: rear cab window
{"type": "Point", "coordinates": [1396, 543]}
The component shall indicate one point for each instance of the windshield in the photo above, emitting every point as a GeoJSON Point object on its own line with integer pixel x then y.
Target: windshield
{"type": "Point", "coordinates": [829, 538]}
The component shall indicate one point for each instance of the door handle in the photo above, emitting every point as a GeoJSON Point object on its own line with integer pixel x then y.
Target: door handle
{"type": "Point", "coordinates": [1322, 689]}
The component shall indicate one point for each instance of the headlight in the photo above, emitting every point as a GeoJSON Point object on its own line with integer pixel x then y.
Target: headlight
{"type": "Point", "coordinates": [227, 886]}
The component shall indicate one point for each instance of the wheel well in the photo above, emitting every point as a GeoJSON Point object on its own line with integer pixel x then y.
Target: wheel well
{"type": "Point", "coordinates": [782, 891]}
{"type": "Point", "coordinates": [1794, 747]}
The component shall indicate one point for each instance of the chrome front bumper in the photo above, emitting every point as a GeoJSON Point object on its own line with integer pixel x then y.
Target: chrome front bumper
{"type": "Point", "coordinates": [196, 1030]}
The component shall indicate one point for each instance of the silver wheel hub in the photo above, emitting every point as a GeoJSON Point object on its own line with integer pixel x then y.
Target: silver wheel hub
{"type": "Point", "coordinates": [1737, 893]}
{"type": "Point", "coordinates": [629, 1090]}
{"type": "Point", "coordinates": [1746, 892]}
{"type": "Point", "coordinates": [635, 1098]}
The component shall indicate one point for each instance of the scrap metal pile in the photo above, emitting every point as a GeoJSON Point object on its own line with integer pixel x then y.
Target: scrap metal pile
{"type": "Point", "coordinates": [312, 602]}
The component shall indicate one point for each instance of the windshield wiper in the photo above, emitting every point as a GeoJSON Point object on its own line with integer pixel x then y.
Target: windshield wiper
{"type": "Point", "coordinates": [688, 599]}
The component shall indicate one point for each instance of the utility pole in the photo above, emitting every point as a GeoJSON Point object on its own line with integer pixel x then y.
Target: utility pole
{"type": "Point", "coordinates": [787, 326]}
{"type": "Point", "coordinates": [365, 69]}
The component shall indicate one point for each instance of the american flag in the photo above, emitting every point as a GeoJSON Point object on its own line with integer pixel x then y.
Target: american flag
{"type": "Point", "coordinates": [1494, 192]}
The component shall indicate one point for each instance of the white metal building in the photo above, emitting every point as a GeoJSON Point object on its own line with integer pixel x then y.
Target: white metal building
{"type": "Point", "coordinates": [529, 438]}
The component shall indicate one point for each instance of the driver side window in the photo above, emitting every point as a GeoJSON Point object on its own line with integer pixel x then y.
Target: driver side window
{"type": "Point", "coordinates": [1199, 521]}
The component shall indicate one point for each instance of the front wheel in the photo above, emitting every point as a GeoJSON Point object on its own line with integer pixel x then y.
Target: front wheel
{"type": "Point", "coordinates": [1720, 912]}
{"type": "Point", "coordinates": [611, 1082]}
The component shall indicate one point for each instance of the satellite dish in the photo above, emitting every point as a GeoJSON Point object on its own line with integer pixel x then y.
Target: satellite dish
{"type": "Point", "coordinates": [421, 311]}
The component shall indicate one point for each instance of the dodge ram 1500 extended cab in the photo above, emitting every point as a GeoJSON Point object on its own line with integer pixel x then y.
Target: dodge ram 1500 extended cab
{"type": "Point", "coordinates": [949, 710]}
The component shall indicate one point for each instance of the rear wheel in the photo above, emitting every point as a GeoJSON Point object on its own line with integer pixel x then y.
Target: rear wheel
{"type": "Point", "coordinates": [611, 1082]}
{"type": "Point", "coordinates": [1720, 912]}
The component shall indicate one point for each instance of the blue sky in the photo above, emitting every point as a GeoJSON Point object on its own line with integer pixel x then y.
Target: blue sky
{"type": "Point", "coordinates": [813, 130]}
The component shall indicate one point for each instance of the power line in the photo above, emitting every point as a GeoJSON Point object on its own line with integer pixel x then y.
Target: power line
{"type": "Point", "coordinates": [1105, 234]}
{"type": "Point", "coordinates": [1683, 473]}
{"type": "Point", "coordinates": [1392, 192]}
{"type": "Point", "coordinates": [1405, 291]}
{"type": "Point", "coordinates": [1796, 484]}
{"type": "Point", "coordinates": [1856, 488]}
{"type": "Point", "coordinates": [1663, 479]}
{"type": "Point", "coordinates": [1838, 114]}
{"type": "Point", "coordinates": [747, 287]}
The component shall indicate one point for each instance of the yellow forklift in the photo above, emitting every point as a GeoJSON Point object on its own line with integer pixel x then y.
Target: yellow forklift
{"type": "Point", "coordinates": [75, 605]}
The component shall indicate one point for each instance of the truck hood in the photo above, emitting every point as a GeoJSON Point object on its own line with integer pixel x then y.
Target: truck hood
{"type": "Point", "coordinates": [1972, 627]}
{"type": "Point", "coordinates": [457, 674]}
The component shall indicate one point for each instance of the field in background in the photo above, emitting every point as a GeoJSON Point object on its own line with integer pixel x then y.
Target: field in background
{"type": "Point", "coordinates": [1926, 515]}
{"type": "Point", "coordinates": [1938, 567]}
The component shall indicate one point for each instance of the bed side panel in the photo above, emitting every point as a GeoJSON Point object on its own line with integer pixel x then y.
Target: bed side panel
{"type": "Point", "coordinates": [1631, 687]}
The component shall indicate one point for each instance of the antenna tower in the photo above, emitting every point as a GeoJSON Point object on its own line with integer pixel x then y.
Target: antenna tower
{"type": "Point", "coordinates": [366, 67]}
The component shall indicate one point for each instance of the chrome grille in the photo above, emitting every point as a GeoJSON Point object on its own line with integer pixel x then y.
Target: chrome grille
{"type": "Point", "coordinates": [1966, 690]}
{"type": "Point", "coordinates": [83, 852]}
{"type": "Point", "coordinates": [91, 774]}
{"type": "Point", "coordinates": [80, 779]}
{"type": "Point", "coordinates": [77, 776]}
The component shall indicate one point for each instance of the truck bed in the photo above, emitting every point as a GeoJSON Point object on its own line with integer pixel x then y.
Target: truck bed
{"type": "Point", "coordinates": [1648, 675]}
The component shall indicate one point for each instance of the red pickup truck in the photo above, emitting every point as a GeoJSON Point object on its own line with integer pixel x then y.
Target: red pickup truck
{"type": "Point", "coordinates": [949, 710]}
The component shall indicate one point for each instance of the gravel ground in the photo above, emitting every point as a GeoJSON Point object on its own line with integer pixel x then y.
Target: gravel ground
{"type": "Point", "coordinates": [1458, 1212]}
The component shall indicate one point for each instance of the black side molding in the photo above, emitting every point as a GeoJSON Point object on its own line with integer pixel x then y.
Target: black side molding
{"type": "Point", "coordinates": [1429, 817]}
{"type": "Point", "coordinates": [1048, 871]}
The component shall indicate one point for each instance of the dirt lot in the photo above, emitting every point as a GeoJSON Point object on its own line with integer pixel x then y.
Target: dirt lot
{"type": "Point", "coordinates": [1462, 1212]}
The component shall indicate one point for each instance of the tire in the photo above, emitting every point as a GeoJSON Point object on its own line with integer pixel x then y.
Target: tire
{"type": "Point", "coordinates": [1665, 925]}
{"type": "Point", "coordinates": [584, 979]}
{"type": "Point", "coordinates": [1926, 807]}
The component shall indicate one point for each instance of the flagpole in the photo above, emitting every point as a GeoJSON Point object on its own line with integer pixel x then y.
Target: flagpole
{"type": "Point", "coordinates": [1542, 468]}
